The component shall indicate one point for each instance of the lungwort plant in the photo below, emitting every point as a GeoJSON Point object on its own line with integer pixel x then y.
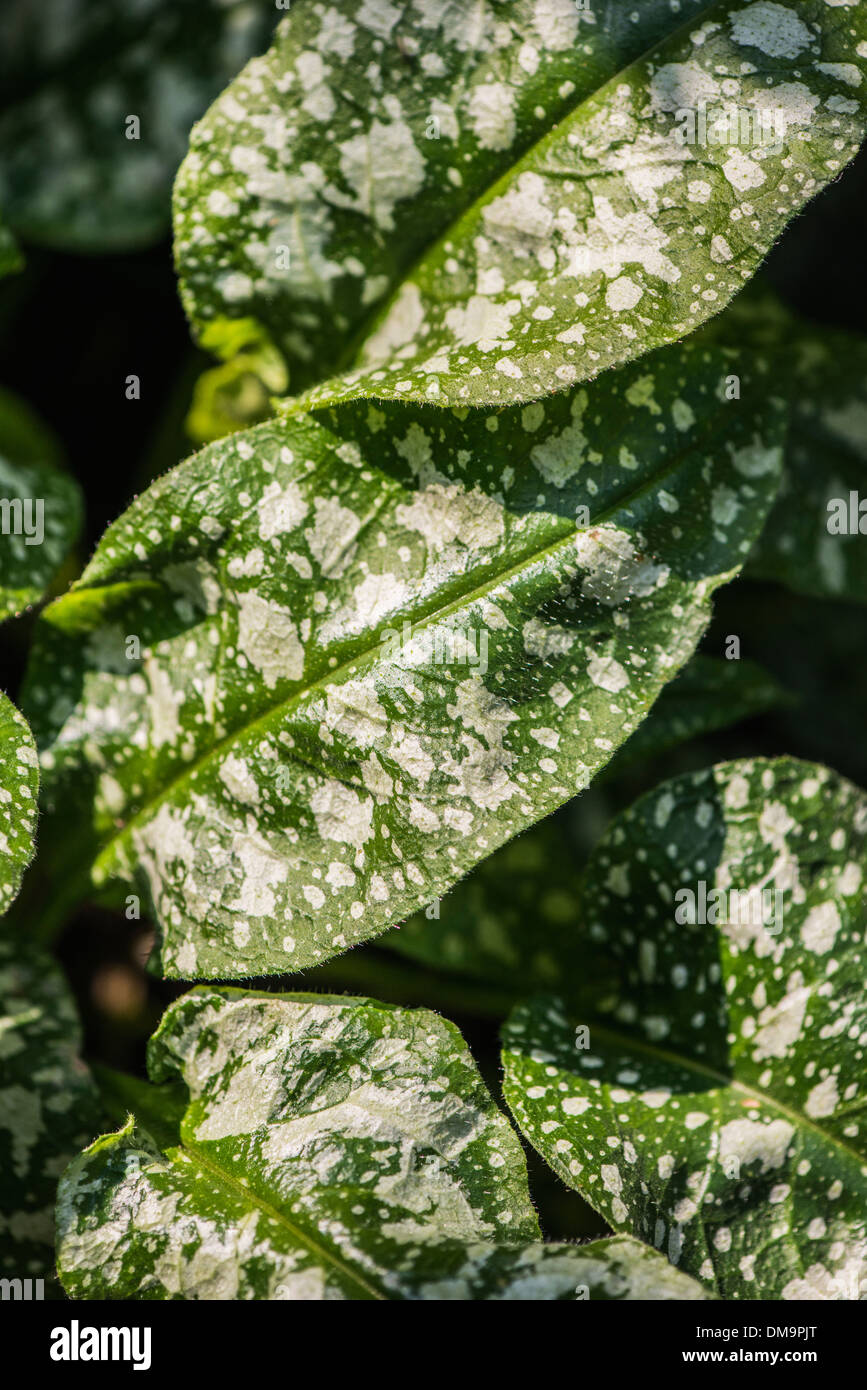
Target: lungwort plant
{"type": "Point", "coordinates": [364, 707]}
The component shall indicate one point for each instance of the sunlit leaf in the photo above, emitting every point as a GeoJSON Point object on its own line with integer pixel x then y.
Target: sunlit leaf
{"type": "Point", "coordinates": [514, 921]}
{"type": "Point", "coordinates": [485, 203]}
{"type": "Point", "coordinates": [329, 1149]}
{"type": "Point", "coordinates": [325, 666]}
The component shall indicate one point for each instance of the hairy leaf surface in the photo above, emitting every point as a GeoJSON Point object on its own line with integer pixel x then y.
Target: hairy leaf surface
{"type": "Point", "coordinates": [40, 508]}
{"type": "Point", "coordinates": [19, 787]}
{"type": "Point", "coordinates": [517, 180]}
{"type": "Point", "coordinates": [72, 73]}
{"type": "Point", "coordinates": [322, 668]}
{"type": "Point", "coordinates": [515, 919]}
{"type": "Point", "coordinates": [716, 1106]}
{"type": "Point", "coordinates": [330, 1149]}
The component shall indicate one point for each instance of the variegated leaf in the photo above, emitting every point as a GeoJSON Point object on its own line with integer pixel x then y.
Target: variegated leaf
{"type": "Point", "coordinates": [329, 1149]}
{"type": "Point", "coordinates": [40, 508]}
{"type": "Point", "coordinates": [712, 1102]}
{"type": "Point", "coordinates": [532, 193]}
{"type": "Point", "coordinates": [74, 172]}
{"type": "Point", "coordinates": [321, 669]}
{"type": "Point", "coordinates": [19, 786]}
{"type": "Point", "coordinates": [46, 1099]}
{"type": "Point", "coordinates": [48, 1109]}
{"type": "Point", "coordinates": [514, 920]}
{"type": "Point", "coordinates": [813, 538]}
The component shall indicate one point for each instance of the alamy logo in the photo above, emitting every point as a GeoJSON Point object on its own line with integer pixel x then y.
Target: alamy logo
{"type": "Point", "coordinates": [440, 646]}
{"type": "Point", "coordinates": [23, 516]}
{"type": "Point", "coordinates": [745, 907]}
{"type": "Point", "coordinates": [76, 1343]}
{"type": "Point", "coordinates": [847, 516]}
{"type": "Point", "coordinates": [729, 124]}
{"type": "Point", "coordinates": [23, 1290]}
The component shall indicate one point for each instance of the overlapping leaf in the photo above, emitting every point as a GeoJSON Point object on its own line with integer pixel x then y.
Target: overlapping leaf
{"type": "Point", "coordinates": [48, 1107]}
{"type": "Point", "coordinates": [73, 172]}
{"type": "Point", "coordinates": [46, 1099]}
{"type": "Point", "coordinates": [716, 1105]}
{"type": "Point", "coordinates": [40, 508]}
{"type": "Point", "coordinates": [329, 1149]}
{"type": "Point", "coordinates": [19, 786]}
{"type": "Point", "coordinates": [321, 669]}
{"type": "Point", "coordinates": [515, 921]}
{"type": "Point", "coordinates": [812, 541]}
{"type": "Point", "coordinates": [709, 694]}
{"type": "Point", "coordinates": [531, 200]}
{"type": "Point", "coordinates": [512, 922]}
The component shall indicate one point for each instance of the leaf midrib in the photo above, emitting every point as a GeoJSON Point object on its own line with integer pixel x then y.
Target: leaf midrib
{"type": "Point", "coordinates": [253, 1198]}
{"type": "Point", "coordinates": [691, 1064]}
{"type": "Point", "coordinates": [347, 360]}
{"type": "Point", "coordinates": [527, 561]}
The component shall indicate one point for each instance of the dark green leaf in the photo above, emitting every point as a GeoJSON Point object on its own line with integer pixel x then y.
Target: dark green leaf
{"type": "Point", "coordinates": [511, 181]}
{"type": "Point", "coordinates": [73, 172]}
{"type": "Point", "coordinates": [330, 1149]}
{"type": "Point", "coordinates": [230, 705]}
{"type": "Point", "coordinates": [712, 1103]}
{"type": "Point", "coordinates": [40, 508]}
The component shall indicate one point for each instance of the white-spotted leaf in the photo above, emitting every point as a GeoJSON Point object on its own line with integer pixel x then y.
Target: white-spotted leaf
{"type": "Point", "coordinates": [814, 539]}
{"type": "Point", "coordinates": [48, 1107]}
{"type": "Point", "coordinates": [328, 1149]}
{"type": "Point", "coordinates": [19, 787]}
{"type": "Point", "coordinates": [711, 1101]}
{"type": "Point", "coordinates": [535, 193]}
{"type": "Point", "coordinates": [322, 668]}
{"type": "Point", "coordinates": [98, 97]}
{"type": "Point", "coordinates": [514, 921]}
{"type": "Point", "coordinates": [40, 508]}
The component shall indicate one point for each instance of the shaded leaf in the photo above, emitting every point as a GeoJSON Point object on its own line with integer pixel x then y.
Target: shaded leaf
{"type": "Point", "coordinates": [812, 540]}
{"type": "Point", "coordinates": [709, 694]}
{"type": "Point", "coordinates": [321, 669]}
{"type": "Point", "coordinates": [514, 179]}
{"type": "Point", "coordinates": [715, 1108]}
{"type": "Point", "coordinates": [811, 647]}
{"type": "Point", "coordinates": [330, 1149]}
{"type": "Point", "coordinates": [814, 537]}
{"type": "Point", "coordinates": [10, 256]}
{"type": "Point", "coordinates": [73, 73]}
{"type": "Point", "coordinates": [512, 922]}
{"type": "Point", "coordinates": [48, 1106]}
{"type": "Point", "coordinates": [19, 786]}
{"type": "Point", "coordinates": [40, 508]}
